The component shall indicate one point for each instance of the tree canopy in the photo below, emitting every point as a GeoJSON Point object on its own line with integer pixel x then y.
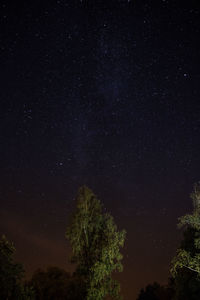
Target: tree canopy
{"type": "Point", "coordinates": [155, 291]}
{"type": "Point", "coordinates": [11, 274]}
{"type": "Point", "coordinates": [96, 244]}
{"type": "Point", "coordinates": [186, 264]}
{"type": "Point", "coordinates": [51, 284]}
{"type": "Point", "coordinates": [190, 257]}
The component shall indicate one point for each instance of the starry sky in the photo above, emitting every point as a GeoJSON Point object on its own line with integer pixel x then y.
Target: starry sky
{"type": "Point", "coordinates": [107, 94]}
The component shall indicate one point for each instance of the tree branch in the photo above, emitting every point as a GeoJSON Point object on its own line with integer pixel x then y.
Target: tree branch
{"type": "Point", "coordinates": [191, 269]}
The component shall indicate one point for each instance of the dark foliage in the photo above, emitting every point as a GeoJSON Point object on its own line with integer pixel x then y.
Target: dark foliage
{"type": "Point", "coordinates": [155, 292]}
{"type": "Point", "coordinates": [11, 273]}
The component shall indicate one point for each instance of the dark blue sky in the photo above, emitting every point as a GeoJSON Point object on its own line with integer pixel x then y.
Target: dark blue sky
{"type": "Point", "coordinates": [103, 93]}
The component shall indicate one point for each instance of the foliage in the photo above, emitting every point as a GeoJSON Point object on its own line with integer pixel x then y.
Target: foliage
{"type": "Point", "coordinates": [185, 282]}
{"type": "Point", "coordinates": [96, 244]}
{"type": "Point", "coordinates": [155, 292]}
{"type": "Point", "coordinates": [186, 264]}
{"type": "Point", "coordinates": [11, 273]}
{"type": "Point", "coordinates": [27, 293]}
{"type": "Point", "coordinates": [190, 259]}
{"type": "Point", "coordinates": [76, 288]}
{"type": "Point", "coordinates": [185, 285]}
{"type": "Point", "coordinates": [53, 283]}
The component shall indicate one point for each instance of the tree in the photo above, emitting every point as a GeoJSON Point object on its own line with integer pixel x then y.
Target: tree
{"type": "Point", "coordinates": [95, 243]}
{"type": "Point", "coordinates": [186, 264]}
{"type": "Point", "coordinates": [11, 273]}
{"type": "Point", "coordinates": [155, 291]}
{"type": "Point", "coordinates": [190, 258]}
{"type": "Point", "coordinates": [26, 293]}
{"type": "Point", "coordinates": [51, 284]}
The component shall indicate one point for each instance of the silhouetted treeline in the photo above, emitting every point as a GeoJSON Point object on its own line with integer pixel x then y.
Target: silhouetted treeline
{"type": "Point", "coordinates": [55, 283]}
{"type": "Point", "coordinates": [96, 246]}
{"type": "Point", "coordinates": [185, 286]}
{"type": "Point", "coordinates": [96, 243]}
{"type": "Point", "coordinates": [156, 292]}
{"type": "Point", "coordinates": [11, 275]}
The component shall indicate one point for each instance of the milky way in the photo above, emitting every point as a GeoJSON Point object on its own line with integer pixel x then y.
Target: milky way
{"type": "Point", "coordinates": [103, 93]}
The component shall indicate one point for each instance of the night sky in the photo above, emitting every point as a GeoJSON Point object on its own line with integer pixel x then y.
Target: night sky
{"type": "Point", "coordinates": [107, 94]}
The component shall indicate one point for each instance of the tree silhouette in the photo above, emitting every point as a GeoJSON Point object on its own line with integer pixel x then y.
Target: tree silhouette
{"type": "Point", "coordinates": [51, 284]}
{"type": "Point", "coordinates": [11, 273]}
{"type": "Point", "coordinates": [155, 291]}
